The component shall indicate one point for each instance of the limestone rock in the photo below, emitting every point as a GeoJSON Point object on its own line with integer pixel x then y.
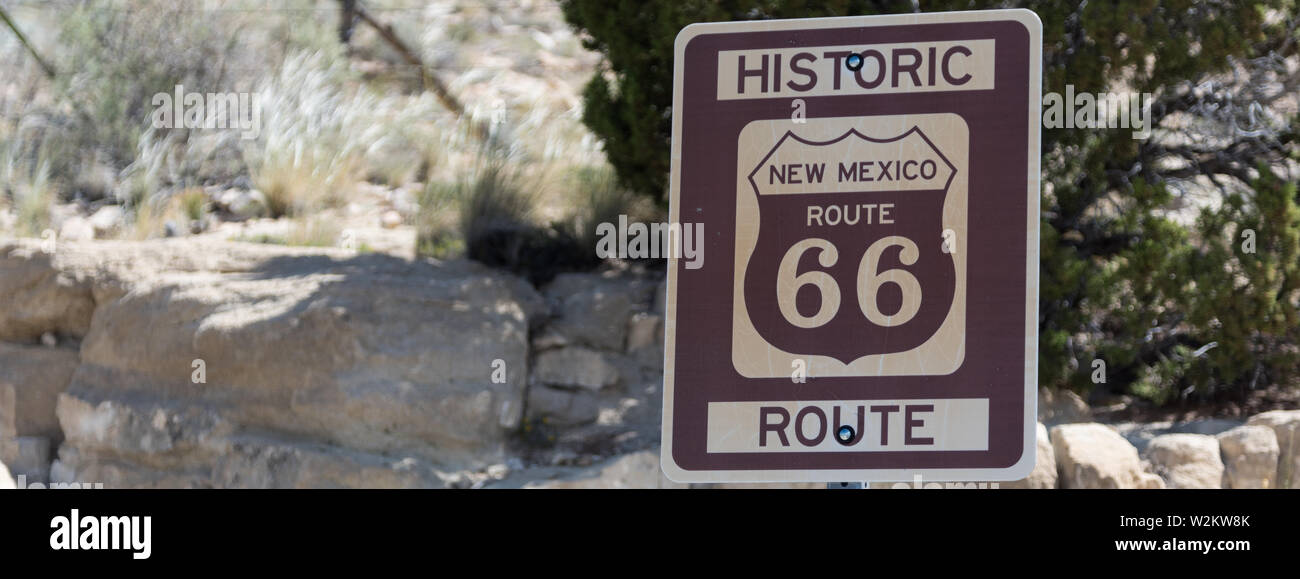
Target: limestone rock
{"type": "Point", "coordinates": [644, 331]}
{"type": "Point", "coordinates": [367, 355]}
{"type": "Point", "coordinates": [138, 427]}
{"type": "Point", "coordinates": [576, 367]}
{"type": "Point", "coordinates": [76, 228]}
{"type": "Point", "coordinates": [31, 378]}
{"type": "Point", "coordinates": [41, 296]}
{"type": "Point", "coordinates": [28, 456]}
{"type": "Point", "coordinates": [241, 204]}
{"type": "Point", "coordinates": [1286, 425]}
{"type": "Point", "coordinates": [563, 407]}
{"type": "Point", "coordinates": [1090, 455]}
{"type": "Point", "coordinates": [1140, 434]}
{"type": "Point", "coordinates": [1250, 455]}
{"type": "Point", "coordinates": [1061, 407]}
{"type": "Point", "coordinates": [1044, 474]}
{"type": "Point", "coordinates": [390, 219]}
{"type": "Point", "coordinates": [548, 340]}
{"type": "Point", "coordinates": [638, 470]}
{"type": "Point", "coordinates": [1187, 461]}
{"type": "Point", "coordinates": [249, 462]}
{"type": "Point", "coordinates": [106, 220]}
{"type": "Point", "coordinates": [593, 308]}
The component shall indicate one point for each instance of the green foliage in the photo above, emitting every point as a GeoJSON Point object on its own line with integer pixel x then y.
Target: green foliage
{"type": "Point", "coordinates": [1238, 299]}
{"type": "Point", "coordinates": [634, 114]}
{"type": "Point", "coordinates": [1161, 42]}
{"type": "Point", "coordinates": [496, 214]}
{"type": "Point", "coordinates": [113, 63]}
{"type": "Point", "coordinates": [493, 202]}
{"type": "Point", "coordinates": [436, 236]}
{"type": "Point", "coordinates": [598, 198]}
{"type": "Point", "coordinates": [312, 136]}
{"type": "Point", "coordinates": [193, 203]}
{"type": "Point", "coordinates": [1120, 281]}
{"type": "Point", "coordinates": [1113, 279]}
{"type": "Point", "coordinates": [1247, 286]}
{"type": "Point", "coordinates": [25, 187]}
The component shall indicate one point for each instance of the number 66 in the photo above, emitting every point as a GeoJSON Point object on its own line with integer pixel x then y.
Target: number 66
{"type": "Point", "coordinates": [868, 283]}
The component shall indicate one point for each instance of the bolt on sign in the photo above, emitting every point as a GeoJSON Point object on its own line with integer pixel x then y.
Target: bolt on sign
{"type": "Point", "coordinates": [872, 184]}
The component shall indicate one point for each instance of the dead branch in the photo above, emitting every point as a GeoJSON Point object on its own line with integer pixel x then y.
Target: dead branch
{"type": "Point", "coordinates": [49, 70]}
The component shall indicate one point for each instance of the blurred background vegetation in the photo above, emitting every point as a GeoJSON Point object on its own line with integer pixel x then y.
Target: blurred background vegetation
{"type": "Point", "coordinates": [505, 130]}
{"type": "Point", "coordinates": [411, 125]}
{"type": "Point", "coordinates": [1143, 265]}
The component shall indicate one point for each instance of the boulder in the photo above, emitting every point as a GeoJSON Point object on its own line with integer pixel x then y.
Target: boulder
{"type": "Point", "coordinates": [40, 294]}
{"type": "Point", "coordinates": [1091, 455]}
{"type": "Point", "coordinates": [575, 367]}
{"type": "Point", "coordinates": [196, 344]}
{"type": "Point", "coordinates": [28, 456]}
{"type": "Point", "coordinates": [592, 309]}
{"type": "Point", "coordinates": [562, 407]}
{"type": "Point", "coordinates": [31, 379]}
{"type": "Point", "coordinates": [146, 426]}
{"type": "Point", "coordinates": [76, 228]}
{"type": "Point", "coordinates": [1187, 461]}
{"type": "Point", "coordinates": [106, 220]}
{"type": "Point", "coordinates": [373, 354]}
{"type": "Point", "coordinates": [1250, 456]}
{"type": "Point", "coordinates": [1140, 434]}
{"type": "Point", "coordinates": [249, 462]}
{"type": "Point", "coordinates": [639, 470]}
{"type": "Point", "coordinates": [548, 340]}
{"type": "Point", "coordinates": [1061, 407]}
{"type": "Point", "coordinates": [661, 298]}
{"type": "Point", "coordinates": [1044, 474]}
{"type": "Point", "coordinates": [1286, 425]}
{"type": "Point", "coordinates": [241, 204]}
{"type": "Point", "coordinates": [390, 219]}
{"type": "Point", "coordinates": [644, 331]}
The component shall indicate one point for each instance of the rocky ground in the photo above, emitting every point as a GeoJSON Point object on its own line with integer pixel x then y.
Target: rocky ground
{"type": "Point", "coordinates": [207, 363]}
{"type": "Point", "coordinates": [319, 367]}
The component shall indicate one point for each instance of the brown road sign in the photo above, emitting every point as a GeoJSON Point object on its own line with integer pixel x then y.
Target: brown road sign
{"type": "Point", "coordinates": [868, 188]}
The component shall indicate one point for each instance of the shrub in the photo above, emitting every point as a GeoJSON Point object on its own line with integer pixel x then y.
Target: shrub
{"type": "Point", "coordinates": [598, 198]}
{"type": "Point", "coordinates": [308, 151]}
{"type": "Point", "coordinates": [492, 205]}
{"type": "Point", "coordinates": [633, 115]}
{"type": "Point", "coordinates": [112, 63]}
{"type": "Point", "coordinates": [1246, 302]}
{"type": "Point", "coordinates": [315, 231]}
{"type": "Point", "coordinates": [496, 219]}
{"type": "Point", "coordinates": [1120, 281]}
{"type": "Point", "coordinates": [26, 188]}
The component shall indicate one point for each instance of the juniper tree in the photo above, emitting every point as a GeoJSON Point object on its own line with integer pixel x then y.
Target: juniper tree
{"type": "Point", "coordinates": [1122, 280]}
